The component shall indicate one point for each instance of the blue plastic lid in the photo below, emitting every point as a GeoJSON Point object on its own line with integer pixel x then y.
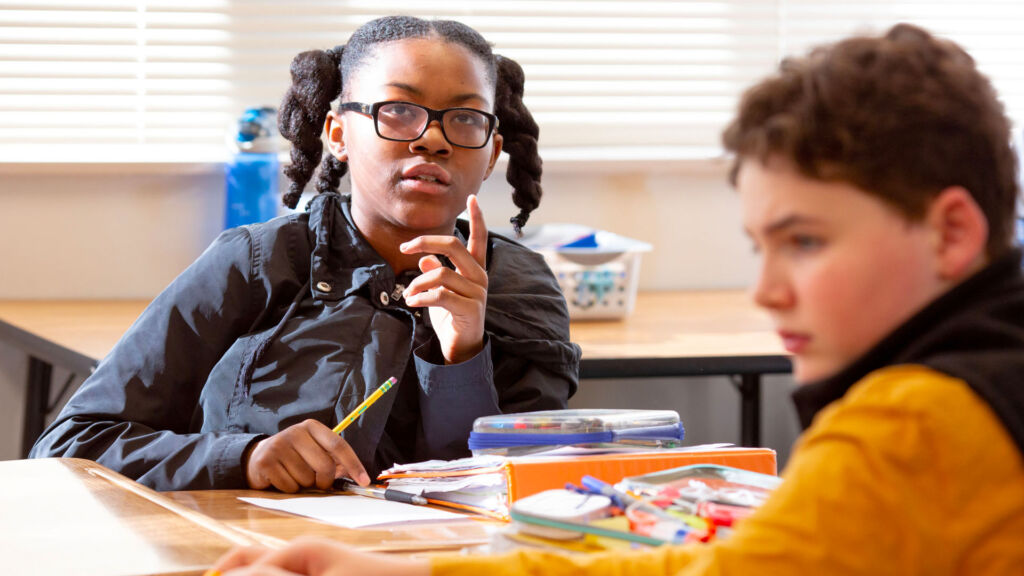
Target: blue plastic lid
{"type": "Point", "coordinates": [257, 130]}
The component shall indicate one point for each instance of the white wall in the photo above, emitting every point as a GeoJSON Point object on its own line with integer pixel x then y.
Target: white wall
{"type": "Point", "coordinates": [91, 234]}
{"type": "Point", "coordinates": [69, 233]}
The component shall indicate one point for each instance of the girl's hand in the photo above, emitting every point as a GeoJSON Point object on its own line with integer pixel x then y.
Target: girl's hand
{"type": "Point", "coordinates": [303, 455]}
{"type": "Point", "coordinates": [455, 299]}
{"type": "Point", "coordinates": [314, 557]}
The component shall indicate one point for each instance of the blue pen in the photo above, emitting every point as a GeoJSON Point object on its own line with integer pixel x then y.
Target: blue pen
{"type": "Point", "coordinates": [601, 487]}
{"type": "Point", "coordinates": [621, 499]}
{"type": "Point", "coordinates": [574, 488]}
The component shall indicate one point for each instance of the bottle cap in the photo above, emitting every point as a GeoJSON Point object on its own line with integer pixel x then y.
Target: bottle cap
{"type": "Point", "coordinates": [257, 130]}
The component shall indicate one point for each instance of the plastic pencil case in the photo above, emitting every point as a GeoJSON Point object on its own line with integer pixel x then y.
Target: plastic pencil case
{"type": "Point", "coordinates": [722, 484]}
{"type": "Point", "coordinates": [517, 433]}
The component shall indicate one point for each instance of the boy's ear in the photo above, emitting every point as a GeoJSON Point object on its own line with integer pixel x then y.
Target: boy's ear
{"type": "Point", "coordinates": [960, 233]}
{"type": "Point", "coordinates": [334, 129]}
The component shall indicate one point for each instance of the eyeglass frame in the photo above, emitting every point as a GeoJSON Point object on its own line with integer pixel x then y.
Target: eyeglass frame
{"type": "Point", "coordinates": [372, 110]}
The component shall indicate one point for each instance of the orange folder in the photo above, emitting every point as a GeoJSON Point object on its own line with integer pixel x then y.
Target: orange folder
{"type": "Point", "coordinates": [528, 476]}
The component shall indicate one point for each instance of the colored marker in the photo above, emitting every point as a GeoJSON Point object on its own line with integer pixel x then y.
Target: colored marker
{"type": "Point", "coordinates": [622, 499]}
{"type": "Point", "coordinates": [723, 514]}
{"type": "Point", "coordinates": [366, 404]}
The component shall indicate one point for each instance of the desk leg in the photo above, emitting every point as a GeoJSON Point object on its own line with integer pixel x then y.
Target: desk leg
{"type": "Point", "coordinates": [750, 410]}
{"type": "Point", "coordinates": [37, 397]}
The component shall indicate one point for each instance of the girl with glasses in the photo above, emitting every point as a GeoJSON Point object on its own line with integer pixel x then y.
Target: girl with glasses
{"type": "Point", "coordinates": [235, 374]}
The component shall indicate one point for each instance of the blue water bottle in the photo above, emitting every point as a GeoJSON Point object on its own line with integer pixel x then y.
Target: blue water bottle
{"type": "Point", "coordinates": [252, 175]}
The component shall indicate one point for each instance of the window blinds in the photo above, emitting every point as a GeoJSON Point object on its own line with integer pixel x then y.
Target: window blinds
{"type": "Point", "coordinates": [992, 31]}
{"type": "Point", "coordinates": [164, 80]}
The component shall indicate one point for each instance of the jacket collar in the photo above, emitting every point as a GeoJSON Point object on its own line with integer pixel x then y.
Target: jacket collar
{"type": "Point", "coordinates": [936, 333]}
{"type": "Point", "coordinates": [343, 262]}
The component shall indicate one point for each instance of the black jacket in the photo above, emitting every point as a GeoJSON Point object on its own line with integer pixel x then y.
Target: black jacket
{"type": "Point", "coordinates": [295, 319]}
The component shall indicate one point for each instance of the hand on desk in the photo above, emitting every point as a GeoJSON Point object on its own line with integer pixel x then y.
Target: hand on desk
{"type": "Point", "coordinates": [304, 455]}
{"type": "Point", "coordinates": [314, 557]}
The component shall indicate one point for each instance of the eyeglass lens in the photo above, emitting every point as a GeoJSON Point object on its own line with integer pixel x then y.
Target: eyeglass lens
{"type": "Point", "coordinates": [405, 122]}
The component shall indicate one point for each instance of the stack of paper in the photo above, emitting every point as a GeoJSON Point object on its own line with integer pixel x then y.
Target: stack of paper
{"type": "Point", "coordinates": [478, 483]}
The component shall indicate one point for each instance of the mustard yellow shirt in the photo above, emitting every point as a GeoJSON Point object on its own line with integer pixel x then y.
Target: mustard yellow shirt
{"type": "Point", "coordinates": [909, 473]}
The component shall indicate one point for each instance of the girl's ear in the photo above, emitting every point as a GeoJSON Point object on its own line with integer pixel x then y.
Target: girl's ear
{"type": "Point", "coordinates": [496, 142]}
{"type": "Point", "coordinates": [960, 231]}
{"type": "Point", "coordinates": [334, 129]}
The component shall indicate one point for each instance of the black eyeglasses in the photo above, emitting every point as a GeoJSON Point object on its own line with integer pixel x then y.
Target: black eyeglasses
{"type": "Point", "coordinates": [405, 122]}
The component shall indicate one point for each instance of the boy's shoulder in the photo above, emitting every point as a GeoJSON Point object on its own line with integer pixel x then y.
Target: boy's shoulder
{"type": "Point", "coordinates": [910, 389]}
{"type": "Point", "coordinates": [921, 447]}
{"type": "Point", "coordinates": [920, 409]}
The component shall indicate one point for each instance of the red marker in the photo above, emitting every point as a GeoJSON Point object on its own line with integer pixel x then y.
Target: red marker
{"type": "Point", "coordinates": [722, 514]}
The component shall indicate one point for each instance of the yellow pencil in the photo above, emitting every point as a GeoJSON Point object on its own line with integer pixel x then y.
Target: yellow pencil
{"type": "Point", "coordinates": [366, 404]}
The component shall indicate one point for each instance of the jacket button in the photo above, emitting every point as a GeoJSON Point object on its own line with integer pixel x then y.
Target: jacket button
{"type": "Point", "coordinates": [323, 286]}
{"type": "Point", "coordinates": [384, 298]}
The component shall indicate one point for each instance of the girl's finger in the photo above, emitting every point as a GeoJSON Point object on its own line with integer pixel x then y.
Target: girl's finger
{"type": "Point", "coordinates": [443, 277]}
{"type": "Point", "coordinates": [450, 246]}
{"type": "Point", "coordinates": [453, 302]}
{"type": "Point", "coordinates": [477, 232]}
{"type": "Point", "coordinates": [428, 263]}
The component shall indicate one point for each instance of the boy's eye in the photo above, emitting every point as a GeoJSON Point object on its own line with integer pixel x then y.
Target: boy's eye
{"type": "Point", "coordinates": [805, 242]}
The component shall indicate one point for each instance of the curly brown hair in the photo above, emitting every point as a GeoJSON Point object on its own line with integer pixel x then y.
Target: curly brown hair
{"type": "Point", "coordinates": [902, 116]}
{"type": "Point", "coordinates": [320, 76]}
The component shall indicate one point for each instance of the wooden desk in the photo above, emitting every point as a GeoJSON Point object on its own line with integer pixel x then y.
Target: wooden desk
{"type": "Point", "coordinates": [669, 334]}
{"type": "Point", "coordinates": [272, 528]}
{"type": "Point", "coordinates": [71, 516]}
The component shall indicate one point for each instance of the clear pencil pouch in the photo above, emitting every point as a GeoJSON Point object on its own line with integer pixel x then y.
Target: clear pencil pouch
{"type": "Point", "coordinates": [529, 432]}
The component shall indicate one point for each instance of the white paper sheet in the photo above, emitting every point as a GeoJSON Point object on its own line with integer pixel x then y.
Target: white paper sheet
{"type": "Point", "coordinates": [469, 463]}
{"type": "Point", "coordinates": [354, 511]}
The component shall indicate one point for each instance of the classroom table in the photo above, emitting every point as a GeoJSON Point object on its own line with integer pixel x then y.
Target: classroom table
{"type": "Point", "coordinates": [69, 516]}
{"type": "Point", "coordinates": [669, 334]}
